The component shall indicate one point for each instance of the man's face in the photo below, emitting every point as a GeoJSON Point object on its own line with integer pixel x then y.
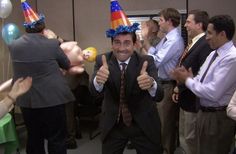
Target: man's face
{"type": "Point", "coordinates": [123, 46]}
{"type": "Point", "coordinates": [191, 26]}
{"type": "Point", "coordinates": [163, 24]}
{"type": "Point", "coordinates": [212, 37]}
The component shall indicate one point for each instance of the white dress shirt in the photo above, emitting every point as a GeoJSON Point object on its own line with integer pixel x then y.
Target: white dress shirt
{"type": "Point", "coordinates": [167, 53]}
{"type": "Point", "coordinates": [219, 83]}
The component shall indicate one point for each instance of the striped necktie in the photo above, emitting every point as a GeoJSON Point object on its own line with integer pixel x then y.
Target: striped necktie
{"type": "Point", "coordinates": [185, 53]}
{"type": "Point", "coordinates": [123, 107]}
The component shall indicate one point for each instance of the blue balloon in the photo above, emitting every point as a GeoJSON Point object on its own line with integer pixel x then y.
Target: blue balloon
{"type": "Point", "coordinates": [10, 32]}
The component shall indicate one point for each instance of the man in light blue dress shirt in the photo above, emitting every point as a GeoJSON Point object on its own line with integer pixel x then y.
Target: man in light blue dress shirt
{"type": "Point", "coordinates": [166, 56]}
{"type": "Point", "coordinates": [214, 85]}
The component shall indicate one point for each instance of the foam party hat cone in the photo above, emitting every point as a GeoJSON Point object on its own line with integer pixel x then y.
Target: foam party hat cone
{"type": "Point", "coordinates": [119, 21]}
{"type": "Point", "coordinates": [31, 17]}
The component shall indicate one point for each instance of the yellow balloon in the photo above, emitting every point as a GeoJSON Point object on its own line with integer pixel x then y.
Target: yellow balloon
{"type": "Point", "coordinates": [90, 54]}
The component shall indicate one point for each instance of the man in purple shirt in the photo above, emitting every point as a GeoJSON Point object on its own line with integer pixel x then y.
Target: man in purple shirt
{"type": "Point", "coordinates": [214, 85]}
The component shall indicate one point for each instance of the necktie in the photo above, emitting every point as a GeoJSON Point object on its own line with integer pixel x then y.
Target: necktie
{"type": "Point", "coordinates": [165, 39]}
{"type": "Point", "coordinates": [185, 52]}
{"type": "Point", "coordinates": [211, 61]}
{"type": "Point", "coordinates": [123, 107]}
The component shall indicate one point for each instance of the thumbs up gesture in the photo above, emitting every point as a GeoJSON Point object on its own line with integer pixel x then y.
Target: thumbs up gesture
{"type": "Point", "coordinates": [103, 72]}
{"type": "Point", "coordinates": [144, 80]}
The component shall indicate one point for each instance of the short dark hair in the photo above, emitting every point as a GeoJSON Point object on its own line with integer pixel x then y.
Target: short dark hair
{"type": "Point", "coordinates": [200, 17]}
{"type": "Point", "coordinates": [133, 34]}
{"type": "Point", "coordinates": [171, 14]}
{"type": "Point", "coordinates": [223, 23]}
{"type": "Point", "coordinates": [38, 28]}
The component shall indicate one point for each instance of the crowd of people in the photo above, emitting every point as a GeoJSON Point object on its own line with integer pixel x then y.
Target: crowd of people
{"type": "Point", "coordinates": [153, 89]}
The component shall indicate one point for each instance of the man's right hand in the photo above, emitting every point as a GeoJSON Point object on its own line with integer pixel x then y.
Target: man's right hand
{"type": "Point", "coordinates": [103, 72]}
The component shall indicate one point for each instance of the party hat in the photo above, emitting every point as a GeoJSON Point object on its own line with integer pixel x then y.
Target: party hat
{"type": "Point", "coordinates": [119, 21]}
{"type": "Point", "coordinates": [31, 17]}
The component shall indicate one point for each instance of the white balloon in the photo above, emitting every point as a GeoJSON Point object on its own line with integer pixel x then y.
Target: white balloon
{"type": "Point", "coordinates": [5, 8]}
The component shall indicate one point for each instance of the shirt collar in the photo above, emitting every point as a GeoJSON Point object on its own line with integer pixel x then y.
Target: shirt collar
{"type": "Point", "coordinates": [196, 38]}
{"type": "Point", "coordinates": [126, 62]}
{"type": "Point", "coordinates": [225, 48]}
{"type": "Point", "coordinates": [171, 33]}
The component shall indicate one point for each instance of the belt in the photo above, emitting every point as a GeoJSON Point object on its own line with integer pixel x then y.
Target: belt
{"type": "Point", "coordinates": [167, 81]}
{"type": "Point", "coordinates": [213, 109]}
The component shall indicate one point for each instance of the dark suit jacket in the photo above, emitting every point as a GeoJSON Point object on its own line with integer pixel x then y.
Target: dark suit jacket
{"type": "Point", "coordinates": [194, 59]}
{"type": "Point", "coordinates": [140, 103]}
{"type": "Point", "coordinates": [36, 56]}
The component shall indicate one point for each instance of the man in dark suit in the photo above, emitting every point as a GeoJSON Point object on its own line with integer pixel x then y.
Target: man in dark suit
{"type": "Point", "coordinates": [42, 106]}
{"type": "Point", "coordinates": [141, 92]}
{"type": "Point", "coordinates": [193, 57]}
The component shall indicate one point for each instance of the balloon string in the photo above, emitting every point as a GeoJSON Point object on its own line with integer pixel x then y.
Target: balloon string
{"type": "Point", "coordinates": [3, 64]}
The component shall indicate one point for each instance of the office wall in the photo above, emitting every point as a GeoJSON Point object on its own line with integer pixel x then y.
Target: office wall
{"type": "Point", "coordinates": [92, 19]}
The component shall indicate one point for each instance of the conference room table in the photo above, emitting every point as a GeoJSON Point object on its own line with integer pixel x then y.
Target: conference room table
{"type": "Point", "coordinates": [8, 137]}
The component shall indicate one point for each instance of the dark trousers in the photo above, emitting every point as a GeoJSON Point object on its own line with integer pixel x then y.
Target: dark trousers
{"type": "Point", "coordinates": [215, 132]}
{"type": "Point", "coordinates": [70, 121]}
{"type": "Point", "coordinates": [169, 114]}
{"type": "Point", "coordinates": [45, 123]}
{"type": "Point", "coordinates": [117, 139]}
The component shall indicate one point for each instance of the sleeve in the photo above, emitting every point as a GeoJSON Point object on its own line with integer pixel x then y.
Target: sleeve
{"type": "Point", "coordinates": [213, 90]}
{"type": "Point", "coordinates": [166, 52]}
{"type": "Point", "coordinates": [152, 71]}
{"type": "Point", "coordinates": [61, 58]}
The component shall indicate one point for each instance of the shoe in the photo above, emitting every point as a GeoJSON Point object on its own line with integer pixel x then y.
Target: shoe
{"type": "Point", "coordinates": [129, 146]}
{"type": "Point", "coordinates": [71, 144]}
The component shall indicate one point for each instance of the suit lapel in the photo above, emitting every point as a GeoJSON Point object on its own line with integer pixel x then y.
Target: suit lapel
{"type": "Point", "coordinates": [194, 46]}
{"type": "Point", "coordinates": [197, 44]}
{"type": "Point", "coordinates": [131, 73]}
{"type": "Point", "coordinates": [115, 74]}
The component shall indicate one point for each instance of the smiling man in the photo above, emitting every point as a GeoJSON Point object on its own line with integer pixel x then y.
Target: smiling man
{"type": "Point", "coordinates": [129, 84]}
{"type": "Point", "coordinates": [214, 85]}
{"type": "Point", "coordinates": [193, 57]}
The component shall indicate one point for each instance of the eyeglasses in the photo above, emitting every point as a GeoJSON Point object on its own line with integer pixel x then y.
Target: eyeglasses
{"type": "Point", "coordinates": [125, 44]}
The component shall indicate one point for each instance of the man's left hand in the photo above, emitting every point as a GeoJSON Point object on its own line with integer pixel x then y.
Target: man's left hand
{"type": "Point", "coordinates": [144, 80]}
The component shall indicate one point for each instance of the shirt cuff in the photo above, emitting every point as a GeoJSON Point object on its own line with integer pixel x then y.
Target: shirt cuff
{"type": "Point", "coordinates": [189, 82]}
{"type": "Point", "coordinates": [152, 50]}
{"type": "Point", "coordinates": [97, 86]}
{"type": "Point", "coordinates": [153, 89]}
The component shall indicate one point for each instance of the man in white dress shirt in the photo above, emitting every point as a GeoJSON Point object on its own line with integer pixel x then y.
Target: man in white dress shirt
{"type": "Point", "coordinates": [166, 56]}
{"type": "Point", "coordinates": [214, 85]}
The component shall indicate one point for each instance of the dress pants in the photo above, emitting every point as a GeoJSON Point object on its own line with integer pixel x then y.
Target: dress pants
{"type": "Point", "coordinates": [169, 114]}
{"type": "Point", "coordinates": [187, 131]}
{"type": "Point", "coordinates": [71, 122]}
{"type": "Point", "coordinates": [215, 132]}
{"type": "Point", "coordinates": [45, 123]}
{"type": "Point", "coordinates": [120, 134]}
